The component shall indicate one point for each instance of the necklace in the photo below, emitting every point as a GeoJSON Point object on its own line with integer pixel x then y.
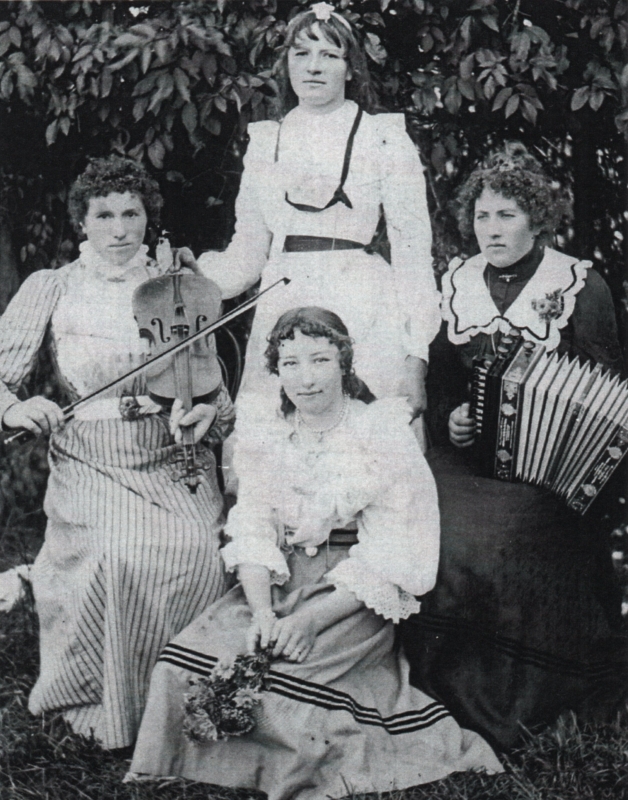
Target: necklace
{"type": "Point", "coordinates": [335, 424]}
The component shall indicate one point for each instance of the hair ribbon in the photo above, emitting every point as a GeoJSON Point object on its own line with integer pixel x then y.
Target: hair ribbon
{"type": "Point", "coordinates": [323, 12]}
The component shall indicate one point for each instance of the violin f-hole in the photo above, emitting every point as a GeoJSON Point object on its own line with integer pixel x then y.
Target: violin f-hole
{"type": "Point", "coordinates": [159, 323]}
{"type": "Point", "coordinates": [200, 320]}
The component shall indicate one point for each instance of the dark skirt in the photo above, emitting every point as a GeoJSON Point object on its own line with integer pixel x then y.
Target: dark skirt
{"type": "Point", "coordinates": [525, 619]}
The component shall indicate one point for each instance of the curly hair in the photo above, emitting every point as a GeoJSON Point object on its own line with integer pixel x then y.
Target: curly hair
{"type": "Point", "coordinates": [360, 88]}
{"type": "Point", "coordinates": [514, 173]}
{"type": "Point", "coordinates": [103, 176]}
{"type": "Point", "coordinates": [315, 321]}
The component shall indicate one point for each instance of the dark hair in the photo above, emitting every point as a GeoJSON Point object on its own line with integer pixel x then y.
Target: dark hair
{"type": "Point", "coordinates": [360, 88]}
{"type": "Point", "coordinates": [103, 176]}
{"type": "Point", "coordinates": [516, 174]}
{"type": "Point", "coordinates": [315, 321]}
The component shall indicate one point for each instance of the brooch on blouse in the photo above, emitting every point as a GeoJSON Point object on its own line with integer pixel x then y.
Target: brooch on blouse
{"type": "Point", "coordinates": [549, 307]}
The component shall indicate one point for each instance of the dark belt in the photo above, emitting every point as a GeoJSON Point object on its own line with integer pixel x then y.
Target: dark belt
{"type": "Point", "coordinates": [311, 244]}
{"type": "Point", "coordinates": [166, 402]}
{"type": "Point", "coordinates": [341, 537]}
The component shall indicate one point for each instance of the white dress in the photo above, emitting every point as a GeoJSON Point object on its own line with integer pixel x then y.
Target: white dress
{"type": "Point", "coordinates": [129, 556]}
{"type": "Point", "coordinates": [390, 310]}
{"type": "Point", "coordinates": [346, 718]}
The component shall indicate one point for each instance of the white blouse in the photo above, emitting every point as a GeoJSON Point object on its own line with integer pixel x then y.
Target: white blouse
{"type": "Point", "coordinates": [370, 470]}
{"type": "Point", "coordinates": [303, 157]}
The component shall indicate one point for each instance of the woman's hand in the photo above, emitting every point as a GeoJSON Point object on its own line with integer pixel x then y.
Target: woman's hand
{"type": "Point", "coordinates": [185, 258]}
{"type": "Point", "coordinates": [37, 414]}
{"type": "Point", "coordinates": [413, 386]}
{"type": "Point", "coordinates": [201, 417]}
{"type": "Point", "coordinates": [461, 426]}
{"type": "Point", "coordinates": [260, 630]}
{"type": "Point", "coordinates": [295, 635]}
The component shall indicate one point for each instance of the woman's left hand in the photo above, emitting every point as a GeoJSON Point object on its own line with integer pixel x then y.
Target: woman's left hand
{"type": "Point", "coordinates": [413, 387]}
{"type": "Point", "coordinates": [295, 636]}
{"type": "Point", "coordinates": [201, 417]}
{"type": "Point", "coordinates": [185, 259]}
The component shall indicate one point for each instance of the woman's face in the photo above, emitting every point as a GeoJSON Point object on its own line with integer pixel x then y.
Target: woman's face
{"type": "Point", "coordinates": [318, 71]}
{"type": "Point", "coordinates": [115, 226]}
{"type": "Point", "coordinates": [502, 229]}
{"type": "Point", "coordinates": [310, 373]}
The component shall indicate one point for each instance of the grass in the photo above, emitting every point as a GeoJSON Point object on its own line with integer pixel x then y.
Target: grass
{"type": "Point", "coordinates": [41, 759]}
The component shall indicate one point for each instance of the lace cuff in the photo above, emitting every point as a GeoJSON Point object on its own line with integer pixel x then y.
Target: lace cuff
{"type": "Point", "coordinates": [224, 423]}
{"type": "Point", "coordinates": [385, 598]}
{"type": "Point", "coordinates": [247, 550]}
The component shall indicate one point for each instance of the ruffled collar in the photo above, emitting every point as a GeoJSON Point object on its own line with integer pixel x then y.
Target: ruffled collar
{"type": "Point", "coordinates": [541, 310]}
{"type": "Point", "coordinates": [98, 266]}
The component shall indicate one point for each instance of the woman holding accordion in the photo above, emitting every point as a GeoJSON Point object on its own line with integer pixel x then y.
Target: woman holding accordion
{"type": "Point", "coordinates": [524, 620]}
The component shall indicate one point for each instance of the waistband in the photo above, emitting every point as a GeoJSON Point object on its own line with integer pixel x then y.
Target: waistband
{"type": "Point", "coordinates": [311, 244]}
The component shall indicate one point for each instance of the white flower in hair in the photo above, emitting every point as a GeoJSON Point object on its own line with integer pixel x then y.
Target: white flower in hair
{"type": "Point", "coordinates": [322, 11]}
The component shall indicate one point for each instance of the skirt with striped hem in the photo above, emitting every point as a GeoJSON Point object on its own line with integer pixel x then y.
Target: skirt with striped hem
{"type": "Point", "coordinates": [129, 559]}
{"type": "Point", "coordinates": [346, 719]}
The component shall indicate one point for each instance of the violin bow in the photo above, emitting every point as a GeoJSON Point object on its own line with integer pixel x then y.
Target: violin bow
{"type": "Point", "coordinates": [22, 434]}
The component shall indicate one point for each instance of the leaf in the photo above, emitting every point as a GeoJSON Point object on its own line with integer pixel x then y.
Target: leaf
{"type": "Point", "coordinates": [512, 105]}
{"type": "Point", "coordinates": [189, 117]}
{"type": "Point", "coordinates": [452, 100]}
{"type": "Point", "coordinates": [117, 65]}
{"type": "Point", "coordinates": [213, 126]}
{"type": "Point", "coordinates": [51, 132]}
{"type": "Point", "coordinates": [466, 88]}
{"type": "Point", "coordinates": [466, 66]}
{"type": "Point", "coordinates": [174, 177]}
{"type": "Point", "coordinates": [143, 29]}
{"type": "Point", "coordinates": [373, 18]}
{"type": "Point", "coordinates": [83, 51]}
{"type": "Point", "coordinates": [139, 108]}
{"type": "Point", "coordinates": [375, 49]}
{"type": "Point", "coordinates": [220, 103]}
{"type": "Point", "coordinates": [64, 124]}
{"type": "Point", "coordinates": [128, 40]}
{"type": "Point", "coordinates": [529, 111]}
{"type": "Point", "coordinates": [26, 81]}
{"type": "Point", "coordinates": [147, 54]}
{"type": "Point", "coordinates": [156, 153]}
{"type": "Point", "coordinates": [5, 43]}
{"type": "Point", "coordinates": [182, 82]}
{"type": "Point", "coordinates": [106, 82]}
{"type": "Point", "coordinates": [211, 202]}
{"type": "Point", "coordinates": [501, 98]}
{"type": "Point", "coordinates": [491, 22]}
{"type": "Point", "coordinates": [15, 36]}
{"type": "Point", "coordinates": [580, 98]}
{"type": "Point", "coordinates": [596, 98]}
{"type": "Point", "coordinates": [209, 67]}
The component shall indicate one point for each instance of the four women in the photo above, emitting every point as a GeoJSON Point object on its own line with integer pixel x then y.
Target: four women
{"type": "Point", "coordinates": [336, 528]}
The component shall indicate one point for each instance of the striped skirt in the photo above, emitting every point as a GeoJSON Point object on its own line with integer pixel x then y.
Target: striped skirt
{"type": "Point", "coordinates": [129, 559]}
{"type": "Point", "coordinates": [345, 719]}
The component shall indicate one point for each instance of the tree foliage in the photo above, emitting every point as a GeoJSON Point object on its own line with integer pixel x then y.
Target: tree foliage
{"type": "Point", "coordinates": [175, 83]}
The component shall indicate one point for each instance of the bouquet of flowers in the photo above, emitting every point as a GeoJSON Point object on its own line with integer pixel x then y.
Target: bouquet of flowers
{"type": "Point", "coordinates": [221, 704]}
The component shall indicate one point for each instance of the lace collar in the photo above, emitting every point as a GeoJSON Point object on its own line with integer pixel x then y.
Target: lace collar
{"type": "Point", "coordinates": [96, 264]}
{"type": "Point", "coordinates": [541, 310]}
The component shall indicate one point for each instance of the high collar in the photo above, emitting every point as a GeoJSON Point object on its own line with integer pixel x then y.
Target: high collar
{"type": "Point", "coordinates": [96, 264]}
{"type": "Point", "coordinates": [519, 272]}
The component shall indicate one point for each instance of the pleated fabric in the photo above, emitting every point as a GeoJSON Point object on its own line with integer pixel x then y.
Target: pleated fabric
{"type": "Point", "coordinates": [130, 558]}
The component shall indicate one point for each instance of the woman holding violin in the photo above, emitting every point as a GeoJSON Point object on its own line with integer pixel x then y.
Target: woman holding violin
{"type": "Point", "coordinates": [315, 188]}
{"type": "Point", "coordinates": [130, 555]}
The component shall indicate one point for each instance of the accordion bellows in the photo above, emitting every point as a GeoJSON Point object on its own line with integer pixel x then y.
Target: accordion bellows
{"type": "Point", "coordinates": [549, 420]}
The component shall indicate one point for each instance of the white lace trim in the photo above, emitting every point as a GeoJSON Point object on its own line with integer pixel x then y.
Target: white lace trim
{"type": "Point", "coordinates": [540, 312]}
{"type": "Point", "coordinates": [261, 552]}
{"type": "Point", "coordinates": [385, 598]}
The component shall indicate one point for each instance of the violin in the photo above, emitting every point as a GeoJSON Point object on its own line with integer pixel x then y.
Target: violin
{"type": "Point", "coordinates": [167, 310]}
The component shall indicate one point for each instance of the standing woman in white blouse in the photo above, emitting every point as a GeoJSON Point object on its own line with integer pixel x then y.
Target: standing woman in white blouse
{"type": "Point", "coordinates": [312, 192]}
{"type": "Point", "coordinates": [334, 533]}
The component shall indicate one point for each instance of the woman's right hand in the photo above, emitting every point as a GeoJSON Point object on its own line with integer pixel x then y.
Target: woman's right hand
{"type": "Point", "coordinates": [260, 630]}
{"type": "Point", "coordinates": [461, 426]}
{"type": "Point", "coordinates": [37, 414]}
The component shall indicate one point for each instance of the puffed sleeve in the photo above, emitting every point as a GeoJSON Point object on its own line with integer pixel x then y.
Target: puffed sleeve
{"type": "Point", "coordinates": [241, 264]}
{"type": "Point", "coordinates": [396, 556]}
{"type": "Point", "coordinates": [252, 525]}
{"type": "Point", "coordinates": [22, 329]}
{"type": "Point", "coordinates": [409, 232]}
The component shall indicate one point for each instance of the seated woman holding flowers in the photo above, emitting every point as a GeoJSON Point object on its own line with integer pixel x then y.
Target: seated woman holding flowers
{"type": "Point", "coordinates": [334, 533]}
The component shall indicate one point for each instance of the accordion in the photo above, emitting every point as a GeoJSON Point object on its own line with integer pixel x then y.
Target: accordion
{"type": "Point", "coordinates": [549, 420]}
